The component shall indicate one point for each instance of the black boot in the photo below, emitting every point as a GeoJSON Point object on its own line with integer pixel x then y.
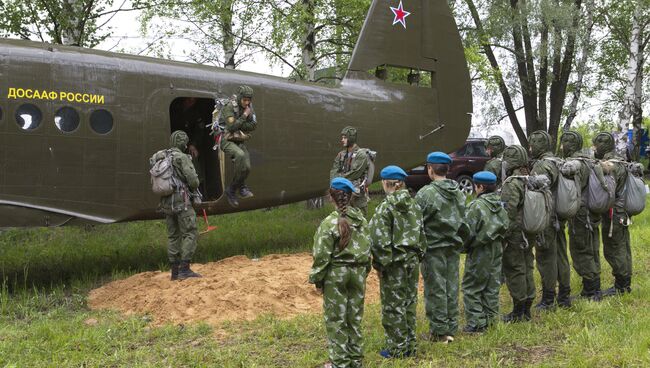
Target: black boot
{"type": "Point", "coordinates": [618, 288]}
{"type": "Point", "coordinates": [231, 195]}
{"type": "Point", "coordinates": [547, 302]}
{"type": "Point", "coordinates": [526, 315]}
{"type": "Point", "coordinates": [185, 272]}
{"type": "Point", "coordinates": [174, 270]}
{"type": "Point", "coordinates": [596, 293]}
{"type": "Point", "coordinates": [517, 314]}
{"type": "Point", "coordinates": [564, 297]}
{"type": "Point", "coordinates": [244, 192]}
{"type": "Point", "coordinates": [628, 284]}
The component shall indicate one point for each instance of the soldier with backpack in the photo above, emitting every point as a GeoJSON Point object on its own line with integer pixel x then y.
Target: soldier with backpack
{"type": "Point", "coordinates": [550, 251]}
{"type": "Point", "coordinates": [584, 242]}
{"type": "Point", "coordinates": [494, 147]}
{"type": "Point", "coordinates": [517, 253]}
{"type": "Point", "coordinates": [615, 232]}
{"type": "Point", "coordinates": [175, 180]}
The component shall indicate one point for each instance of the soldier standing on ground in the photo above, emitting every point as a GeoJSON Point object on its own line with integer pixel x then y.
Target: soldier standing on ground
{"type": "Point", "coordinates": [488, 222]}
{"type": "Point", "coordinates": [398, 240]}
{"type": "Point", "coordinates": [494, 147]}
{"type": "Point", "coordinates": [177, 207]}
{"type": "Point", "coordinates": [341, 264]}
{"type": "Point", "coordinates": [517, 254]}
{"type": "Point", "coordinates": [239, 121]}
{"type": "Point", "coordinates": [443, 210]}
{"type": "Point", "coordinates": [550, 251]}
{"type": "Point", "coordinates": [352, 163]}
{"type": "Point", "coordinates": [615, 232]}
{"type": "Point", "coordinates": [584, 237]}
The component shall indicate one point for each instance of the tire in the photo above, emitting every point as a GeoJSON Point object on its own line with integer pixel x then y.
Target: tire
{"type": "Point", "coordinates": [466, 184]}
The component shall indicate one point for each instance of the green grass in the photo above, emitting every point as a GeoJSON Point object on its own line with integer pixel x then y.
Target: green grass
{"type": "Point", "coordinates": [52, 326]}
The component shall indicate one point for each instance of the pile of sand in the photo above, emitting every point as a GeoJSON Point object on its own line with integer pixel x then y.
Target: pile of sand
{"type": "Point", "coordinates": [235, 288]}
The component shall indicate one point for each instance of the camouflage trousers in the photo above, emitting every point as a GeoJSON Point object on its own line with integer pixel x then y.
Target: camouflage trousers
{"type": "Point", "coordinates": [584, 244]}
{"type": "Point", "coordinates": [182, 233]}
{"type": "Point", "coordinates": [440, 274]}
{"type": "Point", "coordinates": [238, 153]}
{"type": "Point", "coordinates": [343, 296]}
{"type": "Point", "coordinates": [481, 284]}
{"type": "Point", "coordinates": [518, 268]}
{"type": "Point", "coordinates": [616, 246]}
{"type": "Point", "coordinates": [399, 297]}
{"type": "Point", "coordinates": [552, 259]}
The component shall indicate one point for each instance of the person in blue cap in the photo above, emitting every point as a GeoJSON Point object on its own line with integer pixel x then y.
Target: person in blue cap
{"type": "Point", "coordinates": [397, 237]}
{"type": "Point", "coordinates": [488, 222]}
{"type": "Point", "coordinates": [341, 264]}
{"type": "Point", "coordinates": [443, 210]}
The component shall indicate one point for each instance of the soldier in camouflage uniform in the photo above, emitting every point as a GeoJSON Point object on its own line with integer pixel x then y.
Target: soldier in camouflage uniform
{"type": "Point", "coordinates": [239, 121]}
{"type": "Point", "coordinates": [517, 254]}
{"type": "Point", "coordinates": [341, 264]}
{"type": "Point", "coordinates": [488, 222]}
{"type": "Point", "coordinates": [177, 207]}
{"type": "Point", "coordinates": [443, 209]}
{"type": "Point", "coordinates": [397, 237]}
{"type": "Point", "coordinates": [495, 146]}
{"type": "Point", "coordinates": [352, 163]}
{"type": "Point", "coordinates": [615, 232]}
{"type": "Point", "coordinates": [550, 251]}
{"type": "Point", "coordinates": [584, 237]}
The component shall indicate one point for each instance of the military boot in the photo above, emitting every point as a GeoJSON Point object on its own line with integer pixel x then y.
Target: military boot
{"type": "Point", "coordinates": [528, 304]}
{"type": "Point", "coordinates": [564, 297]}
{"type": "Point", "coordinates": [547, 302]}
{"type": "Point", "coordinates": [517, 314]}
{"type": "Point", "coordinates": [174, 270]}
{"type": "Point", "coordinates": [618, 288]}
{"type": "Point", "coordinates": [231, 195]}
{"type": "Point", "coordinates": [185, 272]}
{"type": "Point", "coordinates": [244, 192]}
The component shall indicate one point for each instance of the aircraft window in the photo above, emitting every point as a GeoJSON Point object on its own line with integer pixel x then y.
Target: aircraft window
{"type": "Point", "coordinates": [28, 117]}
{"type": "Point", "coordinates": [66, 119]}
{"type": "Point", "coordinates": [406, 76]}
{"type": "Point", "coordinates": [101, 121]}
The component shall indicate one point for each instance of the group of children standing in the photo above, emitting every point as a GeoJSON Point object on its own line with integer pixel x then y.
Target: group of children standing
{"type": "Point", "coordinates": [429, 231]}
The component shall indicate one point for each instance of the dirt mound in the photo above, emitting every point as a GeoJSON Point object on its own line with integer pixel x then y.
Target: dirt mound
{"type": "Point", "coordinates": [235, 288]}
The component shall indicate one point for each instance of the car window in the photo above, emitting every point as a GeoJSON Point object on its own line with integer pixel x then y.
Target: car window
{"type": "Point", "coordinates": [463, 151]}
{"type": "Point", "coordinates": [479, 149]}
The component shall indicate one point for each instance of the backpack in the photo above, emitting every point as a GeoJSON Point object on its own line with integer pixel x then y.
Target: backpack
{"type": "Point", "coordinates": [599, 196]}
{"type": "Point", "coordinates": [370, 172]}
{"type": "Point", "coordinates": [163, 177]}
{"type": "Point", "coordinates": [634, 192]}
{"type": "Point", "coordinates": [538, 203]}
{"type": "Point", "coordinates": [567, 192]}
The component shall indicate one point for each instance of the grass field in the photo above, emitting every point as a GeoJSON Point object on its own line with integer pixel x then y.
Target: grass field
{"type": "Point", "coordinates": [45, 322]}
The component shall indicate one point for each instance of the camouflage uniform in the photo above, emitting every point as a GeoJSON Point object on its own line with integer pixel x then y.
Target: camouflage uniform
{"type": "Point", "coordinates": [487, 221]}
{"type": "Point", "coordinates": [342, 276]}
{"type": "Point", "coordinates": [497, 144]}
{"type": "Point", "coordinates": [353, 166]}
{"type": "Point", "coordinates": [615, 232]}
{"type": "Point", "coordinates": [584, 237]}
{"type": "Point", "coordinates": [397, 238]}
{"type": "Point", "coordinates": [443, 209]}
{"type": "Point", "coordinates": [517, 254]}
{"type": "Point", "coordinates": [182, 231]}
{"type": "Point", "coordinates": [550, 251]}
{"type": "Point", "coordinates": [232, 115]}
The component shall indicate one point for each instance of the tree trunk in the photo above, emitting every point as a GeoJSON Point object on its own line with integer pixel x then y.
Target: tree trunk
{"type": "Point", "coordinates": [309, 39]}
{"type": "Point", "coordinates": [543, 76]}
{"type": "Point", "coordinates": [632, 77]}
{"type": "Point", "coordinates": [525, 70]}
{"type": "Point", "coordinates": [228, 39]}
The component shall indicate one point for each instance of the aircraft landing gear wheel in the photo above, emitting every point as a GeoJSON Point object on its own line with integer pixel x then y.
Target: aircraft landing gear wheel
{"type": "Point", "coordinates": [466, 185]}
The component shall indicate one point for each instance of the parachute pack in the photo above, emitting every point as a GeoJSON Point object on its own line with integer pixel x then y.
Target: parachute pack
{"type": "Point", "coordinates": [634, 192]}
{"type": "Point", "coordinates": [163, 177]}
{"type": "Point", "coordinates": [567, 194]}
{"type": "Point", "coordinates": [538, 203]}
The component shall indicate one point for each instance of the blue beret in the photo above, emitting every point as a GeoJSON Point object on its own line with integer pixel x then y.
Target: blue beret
{"type": "Point", "coordinates": [344, 185]}
{"type": "Point", "coordinates": [393, 172]}
{"type": "Point", "coordinates": [485, 177]}
{"type": "Point", "coordinates": [438, 158]}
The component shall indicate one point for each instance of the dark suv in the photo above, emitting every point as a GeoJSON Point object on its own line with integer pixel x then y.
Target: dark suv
{"type": "Point", "coordinates": [466, 161]}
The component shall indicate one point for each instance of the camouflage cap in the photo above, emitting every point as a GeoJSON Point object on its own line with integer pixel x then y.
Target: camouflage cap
{"type": "Point", "coordinates": [179, 139]}
{"type": "Point", "coordinates": [351, 133]}
{"type": "Point", "coordinates": [539, 143]}
{"type": "Point", "coordinates": [571, 143]}
{"type": "Point", "coordinates": [604, 142]}
{"type": "Point", "coordinates": [515, 156]}
{"type": "Point", "coordinates": [497, 144]}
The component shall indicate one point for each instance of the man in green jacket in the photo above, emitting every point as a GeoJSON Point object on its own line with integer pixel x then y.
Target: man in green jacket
{"type": "Point", "coordinates": [443, 210]}
{"type": "Point", "coordinates": [584, 243]}
{"type": "Point", "coordinates": [494, 147]}
{"type": "Point", "coordinates": [550, 250]}
{"type": "Point", "coordinates": [615, 232]}
{"type": "Point", "coordinates": [177, 207]}
{"type": "Point", "coordinates": [352, 163]}
{"type": "Point", "coordinates": [517, 253]}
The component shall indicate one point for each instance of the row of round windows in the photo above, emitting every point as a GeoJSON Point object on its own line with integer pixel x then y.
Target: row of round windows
{"type": "Point", "coordinates": [29, 117]}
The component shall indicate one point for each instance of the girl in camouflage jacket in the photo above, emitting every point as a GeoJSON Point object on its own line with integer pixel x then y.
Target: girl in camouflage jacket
{"type": "Point", "coordinates": [341, 264]}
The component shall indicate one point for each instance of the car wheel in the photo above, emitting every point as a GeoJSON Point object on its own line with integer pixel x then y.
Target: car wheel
{"type": "Point", "coordinates": [466, 184]}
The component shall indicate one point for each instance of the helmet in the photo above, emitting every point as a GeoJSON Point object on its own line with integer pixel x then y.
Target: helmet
{"type": "Point", "coordinates": [351, 133]}
{"type": "Point", "coordinates": [571, 143]}
{"type": "Point", "coordinates": [179, 139]}
{"type": "Point", "coordinates": [604, 143]}
{"type": "Point", "coordinates": [244, 92]}
{"type": "Point", "coordinates": [540, 143]}
{"type": "Point", "coordinates": [497, 144]}
{"type": "Point", "coordinates": [514, 157]}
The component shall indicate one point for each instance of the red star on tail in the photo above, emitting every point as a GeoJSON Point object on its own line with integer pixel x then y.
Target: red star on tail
{"type": "Point", "coordinates": [400, 14]}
